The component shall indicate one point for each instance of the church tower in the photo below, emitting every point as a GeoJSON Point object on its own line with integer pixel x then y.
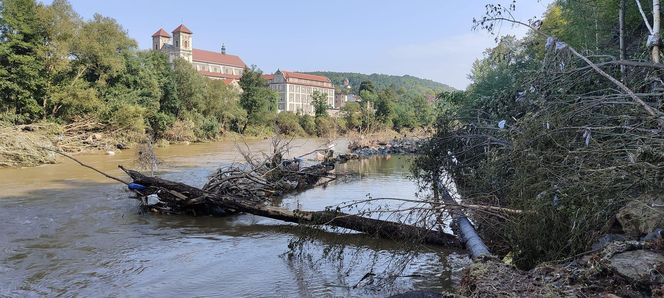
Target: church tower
{"type": "Point", "coordinates": [182, 42]}
{"type": "Point", "coordinates": [159, 39]}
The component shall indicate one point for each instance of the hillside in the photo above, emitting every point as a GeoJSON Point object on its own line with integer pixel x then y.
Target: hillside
{"type": "Point", "coordinates": [409, 83]}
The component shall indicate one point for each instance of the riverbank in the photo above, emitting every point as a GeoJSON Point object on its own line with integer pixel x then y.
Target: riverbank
{"type": "Point", "coordinates": [621, 269]}
{"type": "Point", "coordinates": [23, 145]}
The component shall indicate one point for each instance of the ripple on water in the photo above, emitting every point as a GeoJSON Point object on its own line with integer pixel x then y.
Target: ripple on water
{"type": "Point", "coordinates": [78, 235]}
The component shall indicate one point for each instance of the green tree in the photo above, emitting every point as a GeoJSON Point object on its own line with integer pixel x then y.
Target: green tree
{"type": "Point", "coordinates": [288, 123]}
{"type": "Point", "coordinates": [99, 51]}
{"type": "Point", "coordinates": [189, 86]}
{"type": "Point", "coordinates": [384, 105]}
{"type": "Point", "coordinates": [257, 99]}
{"type": "Point", "coordinates": [366, 86]}
{"type": "Point", "coordinates": [319, 102]}
{"type": "Point", "coordinates": [22, 48]}
{"type": "Point", "coordinates": [352, 114]}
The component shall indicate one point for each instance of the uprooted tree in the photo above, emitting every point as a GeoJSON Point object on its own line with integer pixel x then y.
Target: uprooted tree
{"type": "Point", "coordinates": [254, 186]}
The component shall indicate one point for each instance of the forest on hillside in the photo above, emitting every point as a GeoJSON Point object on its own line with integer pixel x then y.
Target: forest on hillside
{"type": "Point", "coordinates": [413, 85]}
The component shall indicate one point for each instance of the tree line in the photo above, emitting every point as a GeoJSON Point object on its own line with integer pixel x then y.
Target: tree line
{"type": "Point", "coordinates": [57, 67]}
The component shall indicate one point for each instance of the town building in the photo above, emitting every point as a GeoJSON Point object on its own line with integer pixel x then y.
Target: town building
{"type": "Point", "coordinates": [214, 65]}
{"type": "Point", "coordinates": [296, 90]}
{"type": "Point", "coordinates": [341, 99]}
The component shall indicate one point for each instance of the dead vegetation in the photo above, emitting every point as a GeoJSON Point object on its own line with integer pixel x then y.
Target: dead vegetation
{"type": "Point", "coordinates": [20, 146]}
{"type": "Point", "coordinates": [626, 269]}
{"type": "Point", "coordinates": [256, 186]}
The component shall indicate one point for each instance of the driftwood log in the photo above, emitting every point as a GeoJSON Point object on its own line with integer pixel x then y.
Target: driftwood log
{"type": "Point", "coordinates": [202, 202]}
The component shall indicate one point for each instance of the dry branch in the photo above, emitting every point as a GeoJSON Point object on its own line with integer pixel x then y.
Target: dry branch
{"type": "Point", "coordinates": [191, 196]}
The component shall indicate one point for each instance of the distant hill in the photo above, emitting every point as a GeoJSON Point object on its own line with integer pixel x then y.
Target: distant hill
{"type": "Point", "coordinates": [409, 83]}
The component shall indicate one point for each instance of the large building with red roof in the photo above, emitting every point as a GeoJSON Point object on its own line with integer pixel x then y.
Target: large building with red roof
{"type": "Point", "coordinates": [215, 65]}
{"type": "Point", "coordinates": [296, 90]}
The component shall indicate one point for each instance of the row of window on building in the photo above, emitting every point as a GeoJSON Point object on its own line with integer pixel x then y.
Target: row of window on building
{"type": "Point", "coordinates": [218, 69]}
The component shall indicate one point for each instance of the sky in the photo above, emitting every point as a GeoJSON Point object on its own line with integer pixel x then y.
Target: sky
{"type": "Point", "coordinates": [431, 39]}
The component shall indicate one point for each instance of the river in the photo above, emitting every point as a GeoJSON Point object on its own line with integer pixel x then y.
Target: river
{"type": "Point", "coordinates": [69, 231]}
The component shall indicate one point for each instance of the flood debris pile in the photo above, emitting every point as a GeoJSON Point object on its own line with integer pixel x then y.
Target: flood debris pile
{"type": "Point", "coordinates": [367, 148]}
{"type": "Point", "coordinates": [271, 178]}
{"type": "Point", "coordinates": [254, 187]}
{"type": "Point", "coordinates": [581, 156]}
{"type": "Point", "coordinates": [22, 146]}
{"type": "Point", "coordinates": [256, 182]}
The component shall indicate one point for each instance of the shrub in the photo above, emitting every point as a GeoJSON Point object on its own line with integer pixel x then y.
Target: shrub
{"type": "Point", "coordinates": [308, 123]}
{"type": "Point", "coordinates": [325, 126]}
{"type": "Point", "coordinates": [180, 131]}
{"type": "Point", "coordinates": [287, 123]}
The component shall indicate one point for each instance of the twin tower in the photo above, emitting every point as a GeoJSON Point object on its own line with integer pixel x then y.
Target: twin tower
{"type": "Point", "coordinates": [180, 46]}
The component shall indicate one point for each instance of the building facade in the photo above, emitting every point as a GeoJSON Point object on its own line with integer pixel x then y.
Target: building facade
{"type": "Point", "coordinates": [296, 90]}
{"type": "Point", "coordinates": [214, 65]}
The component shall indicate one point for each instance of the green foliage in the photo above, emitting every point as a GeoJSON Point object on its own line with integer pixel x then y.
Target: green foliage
{"type": "Point", "coordinates": [352, 115]}
{"type": "Point", "coordinates": [385, 106]}
{"type": "Point", "coordinates": [405, 118]}
{"type": "Point", "coordinates": [21, 46]}
{"type": "Point", "coordinates": [325, 126]}
{"type": "Point", "coordinates": [539, 131]}
{"type": "Point", "coordinates": [99, 49]}
{"type": "Point", "coordinates": [319, 101]}
{"type": "Point", "coordinates": [288, 123]}
{"type": "Point", "coordinates": [366, 86]}
{"type": "Point", "coordinates": [308, 123]}
{"type": "Point", "coordinates": [257, 99]}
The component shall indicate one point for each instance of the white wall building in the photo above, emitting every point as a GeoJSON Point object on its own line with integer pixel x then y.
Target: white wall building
{"type": "Point", "coordinates": [295, 90]}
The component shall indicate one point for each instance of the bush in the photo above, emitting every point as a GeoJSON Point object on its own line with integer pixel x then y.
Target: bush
{"type": "Point", "coordinates": [287, 123]}
{"type": "Point", "coordinates": [308, 123]}
{"type": "Point", "coordinates": [325, 126]}
{"type": "Point", "coordinates": [259, 131]}
{"type": "Point", "coordinates": [180, 131]}
{"type": "Point", "coordinates": [159, 123]}
{"type": "Point", "coordinates": [125, 117]}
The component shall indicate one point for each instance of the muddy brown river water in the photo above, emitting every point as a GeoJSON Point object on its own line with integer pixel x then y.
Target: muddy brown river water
{"type": "Point", "coordinates": [67, 231]}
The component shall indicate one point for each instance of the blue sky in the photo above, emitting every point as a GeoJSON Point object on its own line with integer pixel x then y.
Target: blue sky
{"type": "Point", "coordinates": [425, 38]}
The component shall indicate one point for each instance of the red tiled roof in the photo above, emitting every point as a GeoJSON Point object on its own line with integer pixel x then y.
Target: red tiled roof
{"type": "Point", "coordinates": [217, 58]}
{"type": "Point", "coordinates": [304, 76]}
{"type": "Point", "coordinates": [161, 33]}
{"type": "Point", "coordinates": [182, 28]}
{"type": "Point", "coordinates": [219, 75]}
{"type": "Point", "coordinates": [268, 77]}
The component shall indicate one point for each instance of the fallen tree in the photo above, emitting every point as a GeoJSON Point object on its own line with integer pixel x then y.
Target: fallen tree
{"type": "Point", "coordinates": [250, 188]}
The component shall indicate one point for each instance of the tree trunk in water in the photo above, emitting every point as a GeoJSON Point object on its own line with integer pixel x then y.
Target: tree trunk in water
{"type": "Point", "coordinates": [195, 197]}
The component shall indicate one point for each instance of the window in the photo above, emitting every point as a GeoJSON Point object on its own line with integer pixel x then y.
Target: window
{"type": "Point", "coordinates": [186, 44]}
